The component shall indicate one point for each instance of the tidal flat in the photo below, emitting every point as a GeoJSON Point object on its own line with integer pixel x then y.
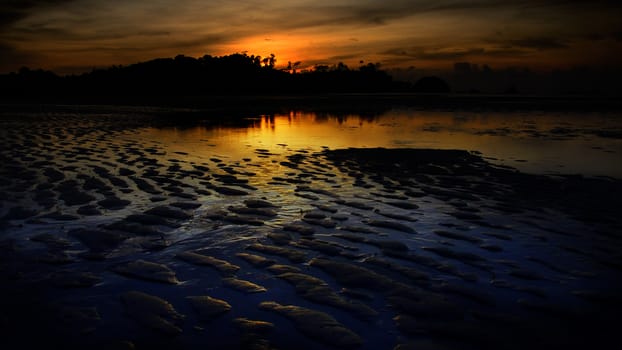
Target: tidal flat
{"type": "Point", "coordinates": [402, 231]}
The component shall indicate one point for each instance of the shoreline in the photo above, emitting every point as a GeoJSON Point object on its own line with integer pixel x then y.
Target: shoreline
{"type": "Point", "coordinates": [341, 102]}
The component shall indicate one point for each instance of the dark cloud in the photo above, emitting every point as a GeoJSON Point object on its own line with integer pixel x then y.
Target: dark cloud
{"type": "Point", "coordinates": [205, 41]}
{"type": "Point", "coordinates": [451, 54]}
{"type": "Point", "coordinates": [69, 34]}
{"type": "Point", "coordinates": [367, 13]}
{"type": "Point", "coordinates": [398, 51]}
{"type": "Point", "coordinates": [320, 13]}
{"type": "Point", "coordinates": [428, 54]}
{"type": "Point", "coordinates": [383, 11]}
{"type": "Point", "coordinates": [13, 10]}
{"type": "Point", "coordinates": [404, 56]}
{"type": "Point", "coordinates": [345, 57]}
{"type": "Point", "coordinates": [538, 43]}
{"type": "Point", "coordinates": [507, 52]}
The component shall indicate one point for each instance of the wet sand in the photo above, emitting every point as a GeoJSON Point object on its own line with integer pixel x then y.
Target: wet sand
{"type": "Point", "coordinates": [108, 242]}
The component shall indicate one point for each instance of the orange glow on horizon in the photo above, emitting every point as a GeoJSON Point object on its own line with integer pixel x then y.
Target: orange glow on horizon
{"type": "Point", "coordinates": [288, 48]}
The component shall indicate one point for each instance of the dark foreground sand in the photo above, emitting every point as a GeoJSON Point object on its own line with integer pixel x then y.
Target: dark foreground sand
{"type": "Point", "coordinates": [106, 242]}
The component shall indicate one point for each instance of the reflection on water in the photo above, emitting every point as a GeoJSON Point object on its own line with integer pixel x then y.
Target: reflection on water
{"type": "Point", "coordinates": [588, 144]}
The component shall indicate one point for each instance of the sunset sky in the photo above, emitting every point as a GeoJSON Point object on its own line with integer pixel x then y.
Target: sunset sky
{"type": "Point", "coordinates": [69, 36]}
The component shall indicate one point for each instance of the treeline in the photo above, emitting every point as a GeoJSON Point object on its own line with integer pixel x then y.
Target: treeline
{"type": "Point", "coordinates": [236, 74]}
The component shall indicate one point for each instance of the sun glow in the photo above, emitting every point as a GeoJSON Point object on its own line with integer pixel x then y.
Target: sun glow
{"type": "Point", "coordinates": [284, 47]}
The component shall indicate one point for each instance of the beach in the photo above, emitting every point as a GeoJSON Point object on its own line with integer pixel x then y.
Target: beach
{"type": "Point", "coordinates": [110, 240]}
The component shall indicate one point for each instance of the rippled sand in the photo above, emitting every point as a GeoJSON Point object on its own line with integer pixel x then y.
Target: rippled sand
{"type": "Point", "coordinates": [110, 242]}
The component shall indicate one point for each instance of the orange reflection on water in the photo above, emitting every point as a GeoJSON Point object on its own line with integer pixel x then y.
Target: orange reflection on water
{"type": "Point", "coordinates": [533, 142]}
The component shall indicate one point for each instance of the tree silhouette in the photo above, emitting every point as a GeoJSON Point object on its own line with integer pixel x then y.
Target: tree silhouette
{"type": "Point", "coordinates": [291, 67]}
{"type": "Point", "coordinates": [235, 74]}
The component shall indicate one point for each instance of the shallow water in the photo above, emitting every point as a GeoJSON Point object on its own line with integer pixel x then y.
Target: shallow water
{"type": "Point", "coordinates": [536, 142]}
{"type": "Point", "coordinates": [492, 257]}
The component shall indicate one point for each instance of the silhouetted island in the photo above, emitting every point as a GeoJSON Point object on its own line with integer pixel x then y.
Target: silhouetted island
{"type": "Point", "coordinates": [236, 74]}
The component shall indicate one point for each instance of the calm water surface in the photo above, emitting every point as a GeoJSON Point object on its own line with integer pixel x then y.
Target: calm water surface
{"type": "Point", "coordinates": [589, 144]}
